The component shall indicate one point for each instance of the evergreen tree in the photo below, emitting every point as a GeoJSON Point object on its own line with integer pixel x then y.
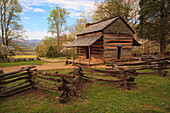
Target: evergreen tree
{"type": "Point", "coordinates": [154, 23]}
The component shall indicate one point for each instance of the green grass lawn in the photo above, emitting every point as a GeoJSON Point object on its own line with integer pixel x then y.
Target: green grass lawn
{"type": "Point", "coordinates": [151, 95]}
{"type": "Point", "coordinates": [40, 62]}
{"type": "Point", "coordinates": [58, 58]}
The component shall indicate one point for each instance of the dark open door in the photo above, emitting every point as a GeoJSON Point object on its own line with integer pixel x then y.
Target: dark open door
{"type": "Point", "coordinates": [119, 52]}
{"type": "Point", "coordinates": [87, 52]}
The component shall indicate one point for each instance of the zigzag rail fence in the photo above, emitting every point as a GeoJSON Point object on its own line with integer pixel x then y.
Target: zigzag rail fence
{"type": "Point", "coordinates": [153, 63]}
{"type": "Point", "coordinates": [65, 84]}
{"type": "Point", "coordinates": [18, 60]}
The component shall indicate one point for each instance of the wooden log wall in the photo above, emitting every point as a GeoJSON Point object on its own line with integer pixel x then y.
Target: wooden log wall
{"type": "Point", "coordinates": [113, 41]}
{"type": "Point", "coordinates": [81, 52]}
{"type": "Point", "coordinates": [96, 48]}
{"type": "Point", "coordinates": [118, 27]}
{"type": "Point", "coordinates": [97, 51]}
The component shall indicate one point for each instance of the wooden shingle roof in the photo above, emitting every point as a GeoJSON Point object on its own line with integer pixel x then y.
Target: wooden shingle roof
{"type": "Point", "coordinates": [135, 43]}
{"type": "Point", "coordinates": [99, 26]}
{"type": "Point", "coordinates": [85, 41]}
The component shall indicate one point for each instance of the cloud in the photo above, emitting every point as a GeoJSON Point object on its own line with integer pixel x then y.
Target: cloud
{"type": "Point", "coordinates": [68, 4]}
{"type": "Point", "coordinates": [38, 10]}
{"type": "Point", "coordinates": [73, 4]}
{"type": "Point", "coordinates": [75, 14]}
{"type": "Point", "coordinates": [37, 34]}
{"type": "Point", "coordinates": [26, 17]}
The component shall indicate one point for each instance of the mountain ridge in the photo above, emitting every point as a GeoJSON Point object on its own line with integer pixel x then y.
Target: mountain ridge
{"type": "Point", "coordinates": [25, 43]}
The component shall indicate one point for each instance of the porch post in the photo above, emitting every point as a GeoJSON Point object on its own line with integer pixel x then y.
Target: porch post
{"type": "Point", "coordinates": [73, 55]}
{"type": "Point", "coordinates": [89, 56]}
{"type": "Point", "coordinates": [79, 54]}
{"type": "Point", "coordinates": [67, 56]}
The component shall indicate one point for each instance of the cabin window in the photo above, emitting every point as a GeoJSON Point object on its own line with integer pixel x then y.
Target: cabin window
{"type": "Point", "coordinates": [87, 52]}
{"type": "Point", "coordinates": [119, 52]}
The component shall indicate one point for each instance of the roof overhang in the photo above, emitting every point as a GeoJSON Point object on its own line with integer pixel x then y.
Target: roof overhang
{"type": "Point", "coordinates": [85, 41]}
{"type": "Point", "coordinates": [135, 43]}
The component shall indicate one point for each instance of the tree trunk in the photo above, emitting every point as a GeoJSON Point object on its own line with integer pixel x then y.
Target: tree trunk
{"type": "Point", "coordinates": [162, 45]}
{"type": "Point", "coordinates": [58, 45]}
{"type": "Point", "coordinates": [162, 30]}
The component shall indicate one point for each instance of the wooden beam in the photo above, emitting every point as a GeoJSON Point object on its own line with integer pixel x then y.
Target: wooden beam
{"type": "Point", "coordinates": [79, 55]}
{"type": "Point", "coordinates": [89, 56]}
{"type": "Point", "coordinates": [73, 56]}
{"type": "Point", "coordinates": [67, 56]}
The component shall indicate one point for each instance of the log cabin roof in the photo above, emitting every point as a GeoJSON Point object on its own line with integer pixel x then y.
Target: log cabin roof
{"type": "Point", "coordinates": [85, 41]}
{"type": "Point", "coordinates": [135, 43]}
{"type": "Point", "coordinates": [99, 26]}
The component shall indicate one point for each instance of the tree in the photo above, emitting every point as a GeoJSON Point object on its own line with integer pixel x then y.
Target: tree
{"type": "Point", "coordinates": [9, 17]}
{"type": "Point", "coordinates": [154, 23]}
{"type": "Point", "coordinates": [56, 22]}
{"type": "Point", "coordinates": [111, 8]}
{"type": "Point", "coordinates": [44, 45]}
{"type": "Point", "coordinates": [4, 51]}
{"type": "Point", "coordinates": [48, 46]}
{"type": "Point", "coordinates": [78, 26]}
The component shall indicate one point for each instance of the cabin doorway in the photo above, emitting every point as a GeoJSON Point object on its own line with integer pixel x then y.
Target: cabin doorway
{"type": "Point", "coordinates": [87, 52]}
{"type": "Point", "coordinates": [119, 52]}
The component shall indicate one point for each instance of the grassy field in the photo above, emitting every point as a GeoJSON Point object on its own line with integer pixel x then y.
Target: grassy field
{"type": "Point", "coordinates": [27, 62]}
{"type": "Point", "coordinates": [58, 58]}
{"type": "Point", "coordinates": [151, 95]}
{"type": "Point", "coordinates": [25, 56]}
{"type": "Point", "coordinates": [40, 62]}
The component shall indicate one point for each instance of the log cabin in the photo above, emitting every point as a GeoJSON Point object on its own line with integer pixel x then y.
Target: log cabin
{"type": "Point", "coordinates": [105, 41]}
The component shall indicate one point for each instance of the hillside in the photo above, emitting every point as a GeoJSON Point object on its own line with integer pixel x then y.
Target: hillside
{"type": "Point", "coordinates": [25, 43]}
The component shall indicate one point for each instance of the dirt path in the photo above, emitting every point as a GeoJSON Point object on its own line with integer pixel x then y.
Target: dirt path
{"type": "Point", "coordinates": [52, 60]}
{"type": "Point", "coordinates": [45, 66]}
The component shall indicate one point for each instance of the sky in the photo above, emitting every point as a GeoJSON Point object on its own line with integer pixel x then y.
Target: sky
{"type": "Point", "coordinates": [35, 13]}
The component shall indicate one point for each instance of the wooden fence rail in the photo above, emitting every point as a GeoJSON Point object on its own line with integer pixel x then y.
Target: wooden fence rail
{"type": "Point", "coordinates": [156, 64]}
{"type": "Point", "coordinates": [65, 84]}
{"type": "Point", "coordinates": [15, 82]}
{"type": "Point", "coordinates": [18, 60]}
{"type": "Point", "coordinates": [24, 79]}
{"type": "Point", "coordinates": [126, 80]}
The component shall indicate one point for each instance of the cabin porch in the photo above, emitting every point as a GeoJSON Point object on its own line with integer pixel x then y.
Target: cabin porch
{"type": "Point", "coordinates": [82, 61]}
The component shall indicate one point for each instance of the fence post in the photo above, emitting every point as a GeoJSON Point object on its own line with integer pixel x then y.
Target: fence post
{"type": "Point", "coordinates": [30, 77]}
{"type": "Point", "coordinates": [2, 85]}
